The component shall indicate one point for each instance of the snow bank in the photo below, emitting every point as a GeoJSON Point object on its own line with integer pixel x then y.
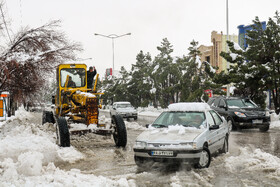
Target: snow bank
{"type": "Point", "coordinates": [189, 107]}
{"type": "Point", "coordinates": [275, 121]}
{"type": "Point", "coordinates": [134, 126]}
{"type": "Point", "coordinates": [257, 160]}
{"type": "Point", "coordinates": [29, 150]}
{"type": "Point", "coordinates": [53, 176]}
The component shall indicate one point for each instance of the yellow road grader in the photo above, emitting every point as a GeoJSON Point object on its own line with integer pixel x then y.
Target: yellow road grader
{"type": "Point", "coordinates": [75, 104]}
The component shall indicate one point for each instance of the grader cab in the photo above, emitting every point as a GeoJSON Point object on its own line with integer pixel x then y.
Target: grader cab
{"type": "Point", "coordinates": [76, 104]}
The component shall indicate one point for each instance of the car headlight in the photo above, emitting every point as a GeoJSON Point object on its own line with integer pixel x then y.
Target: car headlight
{"type": "Point", "coordinates": [189, 145]}
{"type": "Point", "coordinates": [139, 144]}
{"type": "Point", "coordinates": [240, 114]}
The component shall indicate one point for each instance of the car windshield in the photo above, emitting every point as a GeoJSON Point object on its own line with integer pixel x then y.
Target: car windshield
{"type": "Point", "coordinates": [187, 119]}
{"type": "Point", "coordinates": [240, 103]}
{"type": "Point", "coordinates": [76, 77]}
{"type": "Point", "coordinates": [124, 106]}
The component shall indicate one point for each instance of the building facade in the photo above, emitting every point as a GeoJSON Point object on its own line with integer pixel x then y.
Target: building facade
{"type": "Point", "coordinates": [211, 54]}
{"type": "Point", "coordinates": [242, 34]}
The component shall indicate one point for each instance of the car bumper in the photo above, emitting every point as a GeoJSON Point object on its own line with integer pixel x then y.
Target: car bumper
{"type": "Point", "coordinates": [190, 156]}
{"type": "Point", "coordinates": [252, 122]}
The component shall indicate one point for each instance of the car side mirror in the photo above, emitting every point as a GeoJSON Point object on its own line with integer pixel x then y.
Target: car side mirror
{"type": "Point", "coordinates": [114, 108]}
{"type": "Point", "coordinates": [214, 127]}
{"type": "Point", "coordinates": [147, 125]}
{"type": "Point", "coordinates": [224, 107]}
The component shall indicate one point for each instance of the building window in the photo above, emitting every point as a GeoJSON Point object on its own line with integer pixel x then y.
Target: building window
{"type": "Point", "coordinates": [207, 59]}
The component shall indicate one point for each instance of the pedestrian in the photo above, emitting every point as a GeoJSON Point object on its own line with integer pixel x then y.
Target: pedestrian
{"type": "Point", "coordinates": [90, 75]}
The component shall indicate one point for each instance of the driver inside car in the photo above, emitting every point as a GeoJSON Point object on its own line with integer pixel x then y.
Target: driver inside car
{"type": "Point", "coordinates": [71, 83]}
{"type": "Point", "coordinates": [198, 120]}
{"type": "Point", "coordinates": [177, 120]}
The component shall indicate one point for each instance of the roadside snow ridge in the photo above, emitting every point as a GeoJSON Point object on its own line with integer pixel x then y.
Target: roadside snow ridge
{"type": "Point", "coordinates": [195, 106]}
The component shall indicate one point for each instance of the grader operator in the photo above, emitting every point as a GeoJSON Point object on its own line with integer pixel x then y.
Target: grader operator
{"type": "Point", "coordinates": [75, 104]}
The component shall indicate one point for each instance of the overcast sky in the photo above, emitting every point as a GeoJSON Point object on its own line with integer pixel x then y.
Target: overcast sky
{"type": "Point", "coordinates": [149, 21]}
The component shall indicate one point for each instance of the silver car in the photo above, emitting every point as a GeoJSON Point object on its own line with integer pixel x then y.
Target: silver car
{"type": "Point", "coordinates": [124, 109]}
{"type": "Point", "coordinates": [187, 132]}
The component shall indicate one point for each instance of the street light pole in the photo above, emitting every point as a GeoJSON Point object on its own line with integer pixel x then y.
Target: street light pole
{"type": "Point", "coordinates": [113, 37]}
{"type": "Point", "coordinates": [113, 49]}
{"type": "Point", "coordinates": [228, 86]}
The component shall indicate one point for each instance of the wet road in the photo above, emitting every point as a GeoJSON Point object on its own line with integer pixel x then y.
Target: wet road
{"type": "Point", "coordinates": [246, 164]}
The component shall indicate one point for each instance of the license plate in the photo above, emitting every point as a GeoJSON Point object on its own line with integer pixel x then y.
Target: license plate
{"type": "Point", "coordinates": [257, 121]}
{"type": "Point", "coordinates": [162, 153]}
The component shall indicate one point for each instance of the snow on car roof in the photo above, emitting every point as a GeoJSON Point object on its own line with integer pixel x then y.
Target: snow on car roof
{"type": "Point", "coordinates": [195, 106]}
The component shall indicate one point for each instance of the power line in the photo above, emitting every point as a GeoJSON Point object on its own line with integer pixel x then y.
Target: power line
{"type": "Point", "coordinates": [5, 23]}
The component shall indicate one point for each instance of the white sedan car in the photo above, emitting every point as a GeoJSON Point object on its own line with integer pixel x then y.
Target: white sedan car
{"type": "Point", "coordinates": [187, 132]}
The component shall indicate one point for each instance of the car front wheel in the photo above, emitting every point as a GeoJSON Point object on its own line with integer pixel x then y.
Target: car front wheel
{"type": "Point", "coordinates": [205, 158]}
{"type": "Point", "coordinates": [264, 128]}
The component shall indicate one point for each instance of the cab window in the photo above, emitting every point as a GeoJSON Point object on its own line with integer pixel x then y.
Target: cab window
{"type": "Point", "coordinates": [76, 75]}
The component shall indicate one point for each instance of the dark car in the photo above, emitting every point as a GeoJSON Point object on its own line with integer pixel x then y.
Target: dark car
{"type": "Point", "coordinates": [241, 112]}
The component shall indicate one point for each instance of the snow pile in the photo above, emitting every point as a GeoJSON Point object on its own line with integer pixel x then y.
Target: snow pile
{"type": "Point", "coordinates": [20, 139]}
{"type": "Point", "coordinates": [134, 126]}
{"type": "Point", "coordinates": [189, 107]}
{"type": "Point", "coordinates": [275, 121]}
{"type": "Point", "coordinates": [257, 160]}
{"type": "Point", "coordinates": [28, 152]}
{"type": "Point", "coordinates": [53, 176]}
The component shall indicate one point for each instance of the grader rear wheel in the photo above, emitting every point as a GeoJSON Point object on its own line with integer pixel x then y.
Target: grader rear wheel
{"type": "Point", "coordinates": [120, 135]}
{"type": "Point", "coordinates": [62, 132]}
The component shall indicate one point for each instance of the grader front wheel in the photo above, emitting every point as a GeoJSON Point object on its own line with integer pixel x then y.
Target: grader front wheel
{"type": "Point", "coordinates": [120, 135]}
{"type": "Point", "coordinates": [62, 132]}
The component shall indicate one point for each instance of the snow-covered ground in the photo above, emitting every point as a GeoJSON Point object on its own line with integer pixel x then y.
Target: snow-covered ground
{"type": "Point", "coordinates": [28, 153]}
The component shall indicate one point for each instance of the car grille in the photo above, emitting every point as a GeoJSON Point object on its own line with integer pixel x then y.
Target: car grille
{"type": "Point", "coordinates": [251, 114]}
{"type": "Point", "coordinates": [159, 145]}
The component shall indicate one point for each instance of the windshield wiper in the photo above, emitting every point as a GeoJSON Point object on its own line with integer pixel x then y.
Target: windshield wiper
{"type": "Point", "coordinates": [159, 125]}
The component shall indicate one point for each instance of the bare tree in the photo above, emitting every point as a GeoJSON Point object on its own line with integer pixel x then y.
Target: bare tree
{"type": "Point", "coordinates": [31, 55]}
